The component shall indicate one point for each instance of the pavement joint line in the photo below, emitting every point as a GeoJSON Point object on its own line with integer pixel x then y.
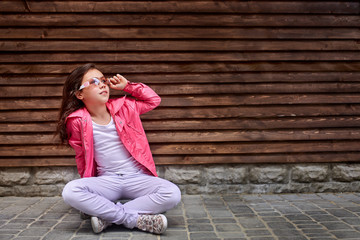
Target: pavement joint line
{"type": "Point", "coordinates": [83, 222]}
{"type": "Point", "coordinates": [29, 207]}
{"type": "Point", "coordinates": [325, 209]}
{"type": "Point", "coordinates": [185, 218]}
{"type": "Point", "coordinates": [233, 215]}
{"type": "Point", "coordinates": [264, 222]}
{"type": "Point", "coordinates": [301, 212]}
{"type": "Point", "coordinates": [59, 220]}
{"type": "Point", "coordinates": [209, 216]}
{"type": "Point", "coordinates": [331, 216]}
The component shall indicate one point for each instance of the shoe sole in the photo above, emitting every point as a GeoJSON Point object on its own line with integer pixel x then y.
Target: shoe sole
{"type": "Point", "coordinates": [95, 224]}
{"type": "Point", "coordinates": [164, 219]}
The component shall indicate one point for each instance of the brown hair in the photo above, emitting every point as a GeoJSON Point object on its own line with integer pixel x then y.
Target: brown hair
{"type": "Point", "coordinates": [70, 103]}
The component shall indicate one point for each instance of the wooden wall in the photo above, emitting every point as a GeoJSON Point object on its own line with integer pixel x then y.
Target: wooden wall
{"type": "Point", "coordinates": [240, 81]}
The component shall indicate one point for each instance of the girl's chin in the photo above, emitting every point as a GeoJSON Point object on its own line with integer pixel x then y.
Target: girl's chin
{"type": "Point", "coordinates": [105, 100]}
{"type": "Point", "coordinates": [98, 100]}
{"type": "Point", "coordinates": [104, 96]}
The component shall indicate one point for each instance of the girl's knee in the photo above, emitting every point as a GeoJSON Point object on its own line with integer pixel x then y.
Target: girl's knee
{"type": "Point", "coordinates": [172, 194]}
{"type": "Point", "coordinates": [176, 195]}
{"type": "Point", "coordinates": [69, 193]}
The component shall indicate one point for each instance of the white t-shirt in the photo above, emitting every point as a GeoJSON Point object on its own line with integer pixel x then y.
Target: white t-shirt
{"type": "Point", "coordinates": [111, 156]}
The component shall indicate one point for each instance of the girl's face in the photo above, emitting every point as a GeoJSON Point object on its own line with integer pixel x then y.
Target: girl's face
{"type": "Point", "coordinates": [93, 94]}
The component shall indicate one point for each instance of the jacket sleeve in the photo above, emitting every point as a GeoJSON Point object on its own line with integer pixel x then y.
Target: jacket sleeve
{"type": "Point", "coordinates": [147, 99]}
{"type": "Point", "coordinates": [73, 126]}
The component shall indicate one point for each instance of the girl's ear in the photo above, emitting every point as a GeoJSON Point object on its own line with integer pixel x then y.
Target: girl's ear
{"type": "Point", "coordinates": [79, 95]}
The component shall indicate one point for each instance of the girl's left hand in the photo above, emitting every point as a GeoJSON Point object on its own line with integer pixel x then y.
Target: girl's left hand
{"type": "Point", "coordinates": [118, 82]}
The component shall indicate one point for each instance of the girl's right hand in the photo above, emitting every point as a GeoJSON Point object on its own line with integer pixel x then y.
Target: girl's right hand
{"type": "Point", "coordinates": [118, 82]}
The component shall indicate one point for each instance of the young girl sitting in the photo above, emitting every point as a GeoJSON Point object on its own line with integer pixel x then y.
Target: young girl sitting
{"type": "Point", "coordinates": [113, 156]}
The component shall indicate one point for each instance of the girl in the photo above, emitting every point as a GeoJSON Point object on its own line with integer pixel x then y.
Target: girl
{"type": "Point", "coordinates": [112, 153]}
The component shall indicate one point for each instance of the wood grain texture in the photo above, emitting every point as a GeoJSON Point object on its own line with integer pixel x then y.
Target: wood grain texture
{"type": "Point", "coordinates": [240, 81]}
{"type": "Point", "coordinates": [324, 7]}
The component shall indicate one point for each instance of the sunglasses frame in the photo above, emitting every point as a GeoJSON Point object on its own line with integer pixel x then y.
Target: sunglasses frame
{"type": "Point", "coordinates": [95, 81]}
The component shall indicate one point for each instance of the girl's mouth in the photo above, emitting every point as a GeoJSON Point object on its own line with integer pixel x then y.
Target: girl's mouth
{"type": "Point", "coordinates": [103, 92]}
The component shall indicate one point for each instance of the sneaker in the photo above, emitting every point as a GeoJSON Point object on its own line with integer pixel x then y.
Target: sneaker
{"type": "Point", "coordinates": [98, 225]}
{"type": "Point", "coordinates": [152, 223]}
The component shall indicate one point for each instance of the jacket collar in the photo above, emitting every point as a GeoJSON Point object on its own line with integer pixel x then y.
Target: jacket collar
{"type": "Point", "coordinates": [114, 105]}
{"type": "Point", "coordinates": [80, 113]}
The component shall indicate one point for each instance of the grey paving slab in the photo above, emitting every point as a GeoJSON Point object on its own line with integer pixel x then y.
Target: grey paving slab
{"type": "Point", "coordinates": [326, 216]}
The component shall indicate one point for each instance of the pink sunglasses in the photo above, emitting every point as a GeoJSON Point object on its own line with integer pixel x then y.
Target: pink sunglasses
{"type": "Point", "coordinates": [95, 81]}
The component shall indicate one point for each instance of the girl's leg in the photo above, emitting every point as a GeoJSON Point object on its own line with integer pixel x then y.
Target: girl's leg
{"type": "Point", "coordinates": [95, 196]}
{"type": "Point", "coordinates": [151, 195]}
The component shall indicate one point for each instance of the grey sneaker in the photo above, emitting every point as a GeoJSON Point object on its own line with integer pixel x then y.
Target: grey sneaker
{"type": "Point", "coordinates": [152, 223]}
{"type": "Point", "coordinates": [98, 225]}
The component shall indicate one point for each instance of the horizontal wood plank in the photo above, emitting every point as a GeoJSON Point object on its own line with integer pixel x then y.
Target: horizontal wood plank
{"type": "Point", "coordinates": [192, 78]}
{"type": "Point", "coordinates": [204, 45]}
{"type": "Point", "coordinates": [199, 159]}
{"type": "Point", "coordinates": [180, 57]}
{"type": "Point", "coordinates": [179, 33]}
{"type": "Point", "coordinates": [207, 124]}
{"type": "Point", "coordinates": [253, 148]}
{"type": "Point", "coordinates": [37, 162]}
{"type": "Point", "coordinates": [329, 7]}
{"type": "Point", "coordinates": [206, 112]}
{"type": "Point", "coordinates": [198, 148]}
{"type": "Point", "coordinates": [200, 100]}
{"type": "Point", "coordinates": [208, 136]}
{"type": "Point", "coordinates": [225, 20]}
{"type": "Point", "coordinates": [275, 91]}
{"type": "Point", "coordinates": [258, 158]}
{"type": "Point", "coordinates": [188, 67]}
{"type": "Point", "coordinates": [27, 127]}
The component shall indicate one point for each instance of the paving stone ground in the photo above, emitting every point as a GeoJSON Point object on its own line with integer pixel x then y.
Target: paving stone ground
{"type": "Point", "coordinates": [324, 216]}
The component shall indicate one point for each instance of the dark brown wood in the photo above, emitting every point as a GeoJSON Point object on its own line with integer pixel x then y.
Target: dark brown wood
{"type": "Point", "coordinates": [199, 148]}
{"type": "Point", "coordinates": [180, 57]}
{"type": "Point", "coordinates": [179, 45]}
{"type": "Point", "coordinates": [179, 32]}
{"type": "Point", "coordinates": [258, 158]}
{"type": "Point", "coordinates": [341, 7]}
{"type": "Point", "coordinates": [207, 124]}
{"type": "Point", "coordinates": [198, 159]}
{"type": "Point", "coordinates": [188, 67]}
{"type": "Point", "coordinates": [240, 81]}
{"type": "Point", "coordinates": [180, 78]}
{"type": "Point", "coordinates": [165, 113]}
{"type": "Point", "coordinates": [277, 91]}
{"type": "Point", "coordinates": [37, 161]}
{"type": "Point", "coordinates": [209, 136]}
{"type": "Point", "coordinates": [225, 20]}
{"type": "Point", "coordinates": [7, 128]}
{"type": "Point", "coordinates": [200, 100]}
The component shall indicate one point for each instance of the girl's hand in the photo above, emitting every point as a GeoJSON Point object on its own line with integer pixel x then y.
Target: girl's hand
{"type": "Point", "coordinates": [118, 82]}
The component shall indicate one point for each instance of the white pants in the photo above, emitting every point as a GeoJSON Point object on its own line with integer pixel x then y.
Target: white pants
{"type": "Point", "coordinates": [96, 196]}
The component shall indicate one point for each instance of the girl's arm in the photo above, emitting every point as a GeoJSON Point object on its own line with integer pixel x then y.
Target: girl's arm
{"type": "Point", "coordinates": [73, 129]}
{"type": "Point", "coordinates": [147, 98]}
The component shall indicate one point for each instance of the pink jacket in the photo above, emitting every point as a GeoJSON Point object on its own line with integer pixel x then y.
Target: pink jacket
{"type": "Point", "coordinates": [126, 114]}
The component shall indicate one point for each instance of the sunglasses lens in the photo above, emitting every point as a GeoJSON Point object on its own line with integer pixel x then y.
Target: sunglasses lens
{"type": "Point", "coordinates": [95, 81]}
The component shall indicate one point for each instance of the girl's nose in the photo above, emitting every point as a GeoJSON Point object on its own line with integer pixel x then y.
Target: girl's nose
{"type": "Point", "coordinates": [102, 85]}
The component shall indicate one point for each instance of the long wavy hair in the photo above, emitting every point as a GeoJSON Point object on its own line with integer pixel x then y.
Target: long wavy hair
{"type": "Point", "coordinates": [70, 103]}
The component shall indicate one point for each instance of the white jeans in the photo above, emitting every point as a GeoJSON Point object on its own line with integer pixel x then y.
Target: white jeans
{"type": "Point", "coordinates": [96, 196]}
